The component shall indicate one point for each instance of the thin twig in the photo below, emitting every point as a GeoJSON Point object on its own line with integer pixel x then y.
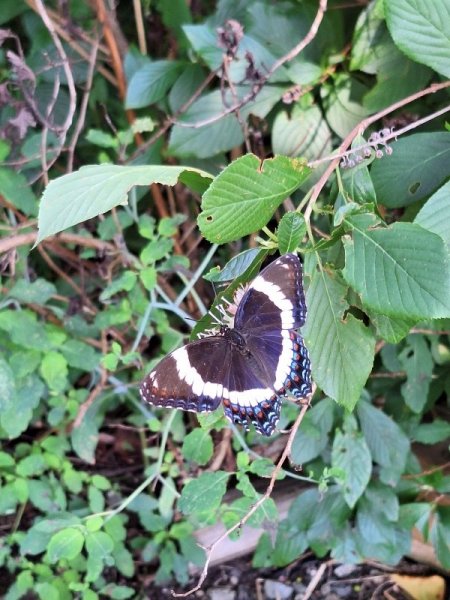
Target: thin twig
{"type": "Point", "coordinates": [315, 581]}
{"type": "Point", "coordinates": [386, 138]}
{"type": "Point", "coordinates": [140, 26]}
{"type": "Point", "coordinates": [83, 107]}
{"type": "Point", "coordinates": [359, 130]}
{"type": "Point", "coordinates": [66, 66]}
{"type": "Point", "coordinates": [15, 241]}
{"type": "Point", "coordinates": [210, 549]}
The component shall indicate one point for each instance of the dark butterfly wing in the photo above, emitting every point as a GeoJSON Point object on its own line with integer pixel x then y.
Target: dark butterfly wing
{"type": "Point", "coordinates": [270, 311]}
{"type": "Point", "coordinates": [190, 378]}
{"type": "Point", "coordinates": [248, 397]}
{"type": "Point", "coordinates": [275, 299]}
{"type": "Point", "coordinates": [196, 377]}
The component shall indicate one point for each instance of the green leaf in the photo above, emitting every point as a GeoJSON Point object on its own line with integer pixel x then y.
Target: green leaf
{"type": "Point", "coordinates": [15, 188]}
{"type": "Point", "coordinates": [95, 189]}
{"type": "Point", "coordinates": [263, 467]}
{"type": "Point", "coordinates": [345, 549]}
{"type": "Point", "coordinates": [47, 495]}
{"type": "Point", "coordinates": [188, 82]}
{"type": "Point", "coordinates": [198, 446]}
{"type": "Point", "coordinates": [358, 184]}
{"type": "Point", "coordinates": [80, 355]}
{"type": "Point", "coordinates": [66, 543]}
{"type": "Point", "coordinates": [125, 282]}
{"type": "Point", "coordinates": [24, 329]}
{"type": "Point", "coordinates": [209, 140]}
{"type": "Point", "coordinates": [328, 520]}
{"type": "Point", "coordinates": [341, 350]}
{"type": "Point", "coordinates": [417, 361]}
{"type": "Point", "coordinates": [151, 82]}
{"type": "Point", "coordinates": [7, 393]}
{"type": "Point", "coordinates": [378, 537]}
{"type": "Point", "coordinates": [124, 560]}
{"type": "Point", "coordinates": [118, 592]}
{"type": "Point", "coordinates": [54, 371]}
{"type": "Point", "coordinates": [85, 436]}
{"type": "Point", "coordinates": [303, 132]}
{"type": "Point", "coordinates": [204, 493]}
{"type": "Point", "coordinates": [440, 535]}
{"type": "Point", "coordinates": [417, 167]}
{"type": "Point", "coordinates": [383, 499]}
{"type": "Point", "coordinates": [148, 276]}
{"type": "Point", "coordinates": [225, 132]}
{"type": "Point", "coordinates": [32, 465]}
{"type": "Point", "coordinates": [422, 31]}
{"type": "Point", "coordinates": [415, 514]}
{"type": "Point", "coordinates": [343, 102]}
{"type": "Point", "coordinates": [391, 329]}
{"type": "Point", "coordinates": [96, 500]}
{"type": "Point", "coordinates": [99, 544]}
{"type": "Point", "coordinates": [243, 198]}
{"type": "Point", "coordinates": [312, 438]}
{"type": "Point", "coordinates": [38, 291]}
{"type": "Point", "coordinates": [47, 591]}
{"type": "Point", "coordinates": [290, 232]}
{"type": "Point", "coordinates": [351, 454]}
{"type": "Point", "coordinates": [235, 267]}
{"type": "Point", "coordinates": [374, 52]}
{"type": "Point", "coordinates": [435, 214]}
{"type": "Point", "coordinates": [388, 444]}
{"type": "Point", "coordinates": [381, 263]}
{"type": "Point", "coordinates": [432, 433]}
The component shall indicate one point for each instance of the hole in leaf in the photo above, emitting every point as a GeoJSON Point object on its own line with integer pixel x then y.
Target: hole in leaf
{"type": "Point", "coordinates": [209, 218]}
{"type": "Point", "coordinates": [414, 187]}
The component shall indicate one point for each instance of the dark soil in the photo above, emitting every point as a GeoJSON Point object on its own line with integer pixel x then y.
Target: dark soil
{"type": "Point", "coordinates": [239, 581]}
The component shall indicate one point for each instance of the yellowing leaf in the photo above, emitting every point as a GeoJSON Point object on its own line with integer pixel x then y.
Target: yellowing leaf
{"type": "Point", "coordinates": [421, 588]}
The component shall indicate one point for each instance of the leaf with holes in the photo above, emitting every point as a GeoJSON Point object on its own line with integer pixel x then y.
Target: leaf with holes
{"type": "Point", "coordinates": [243, 198]}
{"type": "Point", "coordinates": [416, 168]}
{"type": "Point", "coordinates": [341, 350]}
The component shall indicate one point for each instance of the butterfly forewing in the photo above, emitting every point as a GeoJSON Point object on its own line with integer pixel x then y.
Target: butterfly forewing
{"type": "Point", "coordinates": [190, 378]}
{"type": "Point", "coordinates": [275, 299]}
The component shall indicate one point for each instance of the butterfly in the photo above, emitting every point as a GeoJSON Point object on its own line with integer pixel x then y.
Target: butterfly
{"type": "Point", "coordinates": [249, 362]}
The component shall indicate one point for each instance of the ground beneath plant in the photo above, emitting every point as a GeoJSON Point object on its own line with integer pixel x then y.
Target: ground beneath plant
{"type": "Point", "coordinates": [313, 579]}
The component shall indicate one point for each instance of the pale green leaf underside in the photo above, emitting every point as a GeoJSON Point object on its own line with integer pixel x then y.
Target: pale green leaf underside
{"type": "Point", "coordinates": [400, 271]}
{"type": "Point", "coordinates": [341, 351]}
{"type": "Point", "coordinates": [95, 189]}
{"type": "Point", "coordinates": [243, 198]}
{"type": "Point", "coordinates": [421, 29]}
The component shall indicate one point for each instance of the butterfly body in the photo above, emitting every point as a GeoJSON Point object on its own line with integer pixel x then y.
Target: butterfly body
{"type": "Point", "coordinates": [248, 364]}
